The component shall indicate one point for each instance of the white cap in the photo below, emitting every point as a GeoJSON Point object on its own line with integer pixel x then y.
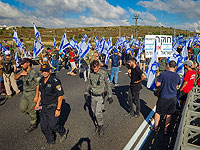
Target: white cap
{"type": "Point", "coordinates": [7, 53]}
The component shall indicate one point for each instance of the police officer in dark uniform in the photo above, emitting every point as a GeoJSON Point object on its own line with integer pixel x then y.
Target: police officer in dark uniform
{"type": "Point", "coordinates": [51, 97]}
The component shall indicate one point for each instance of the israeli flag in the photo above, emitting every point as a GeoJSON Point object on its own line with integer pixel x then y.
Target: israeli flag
{"type": "Point", "coordinates": [18, 42]}
{"type": "Point", "coordinates": [85, 37]}
{"type": "Point", "coordinates": [72, 43]}
{"type": "Point", "coordinates": [84, 49]}
{"type": "Point", "coordinates": [151, 70]}
{"type": "Point", "coordinates": [96, 40]}
{"type": "Point", "coordinates": [127, 47]}
{"type": "Point", "coordinates": [25, 56]}
{"type": "Point", "coordinates": [108, 49]}
{"type": "Point", "coordinates": [64, 43]}
{"type": "Point", "coordinates": [17, 59]}
{"type": "Point", "coordinates": [37, 34]}
{"type": "Point", "coordinates": [132, 39]}
{"type": "Point", "coordinates": [102, 45]}
{"type": "Point", "coordinates": [54, 42]}
{"type": "Point", "coordinates": [3, 49]}
{"type": "Point", "coordinates": [37, 49]}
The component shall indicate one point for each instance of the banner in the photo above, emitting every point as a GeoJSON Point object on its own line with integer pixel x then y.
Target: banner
{"type": "Point", "coordinates": [164, 45]}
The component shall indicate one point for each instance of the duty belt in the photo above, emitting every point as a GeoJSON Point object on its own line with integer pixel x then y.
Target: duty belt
{"type": "Point", "coordinates": [96, 94]}
{"type": "Point", "coordinates": [50, 105]}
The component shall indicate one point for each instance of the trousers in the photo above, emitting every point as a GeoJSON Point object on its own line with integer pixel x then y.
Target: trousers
{"type": "Point", "coordinates": [27, 105]}
{"type": "Point", "coordinates": [50, 124]}
{"type": "Point", "coordinates": [10, 80]}
{"type": "Point", "coordinates": [134, 94]}
{"type": "Point", "coordinates": [97, 104]}
{"type": "Point", "coordinates": [114, 72]}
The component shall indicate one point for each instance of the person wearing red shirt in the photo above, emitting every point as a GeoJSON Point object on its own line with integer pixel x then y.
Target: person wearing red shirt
{"type": "Point", "coordinates": [188, 82]}
{"type": "Point", "coordinates": [72, 62]}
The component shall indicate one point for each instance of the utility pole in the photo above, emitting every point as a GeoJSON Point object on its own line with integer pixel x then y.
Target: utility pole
{"type": "Point", "coordinates": [136, 17]}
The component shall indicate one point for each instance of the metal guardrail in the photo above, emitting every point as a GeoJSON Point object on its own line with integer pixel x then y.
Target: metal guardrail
{"type": "Point", "coordinates": [188, 137]}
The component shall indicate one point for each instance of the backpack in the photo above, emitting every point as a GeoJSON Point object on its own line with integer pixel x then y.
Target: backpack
{"type": "Point", "coordinates": [8, 66]}
{"type": "Point", "coordinates": [115, 60]}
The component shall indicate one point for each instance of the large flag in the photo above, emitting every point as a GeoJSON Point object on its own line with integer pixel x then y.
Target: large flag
{"type": "Point", "coordinates": [18, 42]}
{"type": "Point", "coordinates": [37, 49]}
{"type": "Point", "coordinates": [83, 49]}
{"type": "Point", "coordinates": [3, 49]}
{"type": "Point", "coordinates": [54, 42]}
{"type": "Point", "coordinates": [151, 70]}
{"type": "Point", "coordinates": [37, 34]}
{"type": "Point", "coordinates": [72, 43]}
{"type": "Point", "coordinates": [64, 43]}
{"type": "Point", "coordinates": [109, 48]}
{"type": "Point", "coordinates": [127, 46]}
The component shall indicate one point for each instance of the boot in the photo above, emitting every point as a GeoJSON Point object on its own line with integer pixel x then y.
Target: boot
{"type": "Point", "coordinates": [101, 131]}
{"type": "Point", "coordinates": [31, 128]}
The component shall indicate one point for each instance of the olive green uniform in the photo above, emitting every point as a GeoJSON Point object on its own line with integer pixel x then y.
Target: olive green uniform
{"type": "Point", "coordinates": [29, 88]}
{"type": "Point", "coordinates": [98, 83]}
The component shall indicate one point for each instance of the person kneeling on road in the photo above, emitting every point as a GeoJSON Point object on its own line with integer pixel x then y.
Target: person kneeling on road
{"type": "Point", "coordinates": [98, 80]}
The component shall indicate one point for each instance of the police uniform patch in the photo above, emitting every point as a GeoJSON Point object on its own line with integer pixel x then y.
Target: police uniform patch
{"type": "Point", "coordinates": [58, 87]}
{"type": "Point", "coordinates": [55, 79]}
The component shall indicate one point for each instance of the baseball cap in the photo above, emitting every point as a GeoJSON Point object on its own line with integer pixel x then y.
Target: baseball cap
{"type": "Point", "coordinates": [45, 67]}
{"type": "Point", "coordinates": [24, 60]}
{"type": "Point", "coordinates": [188, 62]}
{"type": "Point", "coordinates": [115, 51]}
{"type": "Point", "coordinates": [7, 53]}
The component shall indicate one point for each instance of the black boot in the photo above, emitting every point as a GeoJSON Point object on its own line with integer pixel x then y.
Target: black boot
{"type": "Point", "coordinates": [31, 128]}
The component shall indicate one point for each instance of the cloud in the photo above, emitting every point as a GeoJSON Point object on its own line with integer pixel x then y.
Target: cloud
{"type": "Point", "coordinates": [189, 8]}
{"type": "Point", "coordinates": [59, 8]}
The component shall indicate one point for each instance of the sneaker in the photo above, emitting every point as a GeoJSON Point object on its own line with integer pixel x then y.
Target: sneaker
{"type": "Point", "coordinates": [47, 145]}
{"type": "Point", "coordinates": [116, 84]}
{"type": "Point", "coordinates": [126, 73]}
{"type": "Point", "coordinates": [120, 71]}
{"type": "Point", "coordinates": [19, 93]}
{"type": "Point", "coordinates": [69, 73]}
{"type": "Point", "coordinates": [8, 96]}
{"type": "Point", "coordinates": [136, 115]}
{"type": "Point", "coordinates": [31, 128]}
{"type": "Point", "coordinates": [64, 137]}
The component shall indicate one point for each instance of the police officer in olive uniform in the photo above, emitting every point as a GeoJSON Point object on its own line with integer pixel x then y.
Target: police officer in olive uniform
{"type": "Point", "coordinates": [30, 78]}
{"type": "Point", "coordinates": [98, 82]}
{"type": "Point", "coordinates": [51, 97]}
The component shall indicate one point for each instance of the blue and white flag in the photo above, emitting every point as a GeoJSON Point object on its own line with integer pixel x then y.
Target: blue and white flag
{"type": "Point", "coordinates": [132, 39]}
{"type": "Point", "coordinates": [25, 56]}
{"type": "Point", "coordinates": [3, 49]}
{"type": "Point", "coordinates": [37, 49]}
{"type": "Point", "coordinates": [84, 49]}
{"type": "Point", "coordinates": [127, 47]}
{"type": "Point", "coordinates": [17, 59]}
{"type": "Point", "coordinates": [37, 34]}
{"type": "Point", "coordinates": [18, 42]}
{"type": "Point", "coordinates": [64, 43]}
{"type": "Point", "coordinates": [96, 40]}
{"type": "Point", "coordinates": [54, 42]}
{"type": "Point", "coordinates": [151, 70]}
{"type": "Point", "coordinates": [85, 37]}
{"type": "Point", "coordinates": [72, 43]}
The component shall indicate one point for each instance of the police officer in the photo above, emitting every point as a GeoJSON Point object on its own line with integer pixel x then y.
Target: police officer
{"type": "Point", "coordinates": [51, 97]}
{"type": "Point", "coordinates": [98, 81]}
{"type": "Point", "coordinates": [30, 78]}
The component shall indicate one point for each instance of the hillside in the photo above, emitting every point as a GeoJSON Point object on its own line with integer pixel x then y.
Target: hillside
{"type": "Point", "coordinates": [27, 33]}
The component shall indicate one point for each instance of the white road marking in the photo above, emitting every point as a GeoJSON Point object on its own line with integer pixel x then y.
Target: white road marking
{"type": "Point", "coordinates": [139, 131]}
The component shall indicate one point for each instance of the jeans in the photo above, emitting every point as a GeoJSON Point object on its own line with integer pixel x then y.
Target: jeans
{"type": "Point", "coordinates": [132, 93]}
{"type": "Point", "coordinates": [55, 64]}
{"type": "Point", "coordinates": [114, 71]}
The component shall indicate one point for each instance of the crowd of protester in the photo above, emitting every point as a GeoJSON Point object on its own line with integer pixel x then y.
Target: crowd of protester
{"type": "Point", "coordinates": [172, 88]}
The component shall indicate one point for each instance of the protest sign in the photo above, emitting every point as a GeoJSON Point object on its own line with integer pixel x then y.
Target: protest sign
{"type": "Point", "coordinates": [164, 45]}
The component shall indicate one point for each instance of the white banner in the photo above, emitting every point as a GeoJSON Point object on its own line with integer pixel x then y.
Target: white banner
{"type": "Point", "coordinates": [164, 45]}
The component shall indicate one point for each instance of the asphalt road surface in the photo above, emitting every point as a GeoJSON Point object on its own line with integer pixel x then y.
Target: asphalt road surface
{"type": "Point", "coordinates": [119, 127]}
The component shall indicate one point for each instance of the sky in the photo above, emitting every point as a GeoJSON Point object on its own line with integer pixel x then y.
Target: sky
{"type": "Point", "coordinates": [182, 14]}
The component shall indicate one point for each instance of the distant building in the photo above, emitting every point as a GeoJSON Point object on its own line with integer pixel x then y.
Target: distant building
{"type": "Point", "coordinates": [197, 31]}
{"type": "Point", "coordinates": [7, 27]}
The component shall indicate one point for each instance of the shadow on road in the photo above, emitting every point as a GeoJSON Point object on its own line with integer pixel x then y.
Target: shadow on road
{"type": "Point", "coordinates": [122, 94]}
{"type": "Point", "coordinates": [87, 105]}
{"type": "Point", "coordinates": [65, 111]}
{"type": "Point", "coordinates": [3, 100]}
{"type": "Point", "coordinates": [78, 146]}
{"type": "Point", "coordinates": [159, 141]}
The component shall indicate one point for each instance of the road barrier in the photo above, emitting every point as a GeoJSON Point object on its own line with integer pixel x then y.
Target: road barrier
{"type": "Point", "coordinates": [188, 137]}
